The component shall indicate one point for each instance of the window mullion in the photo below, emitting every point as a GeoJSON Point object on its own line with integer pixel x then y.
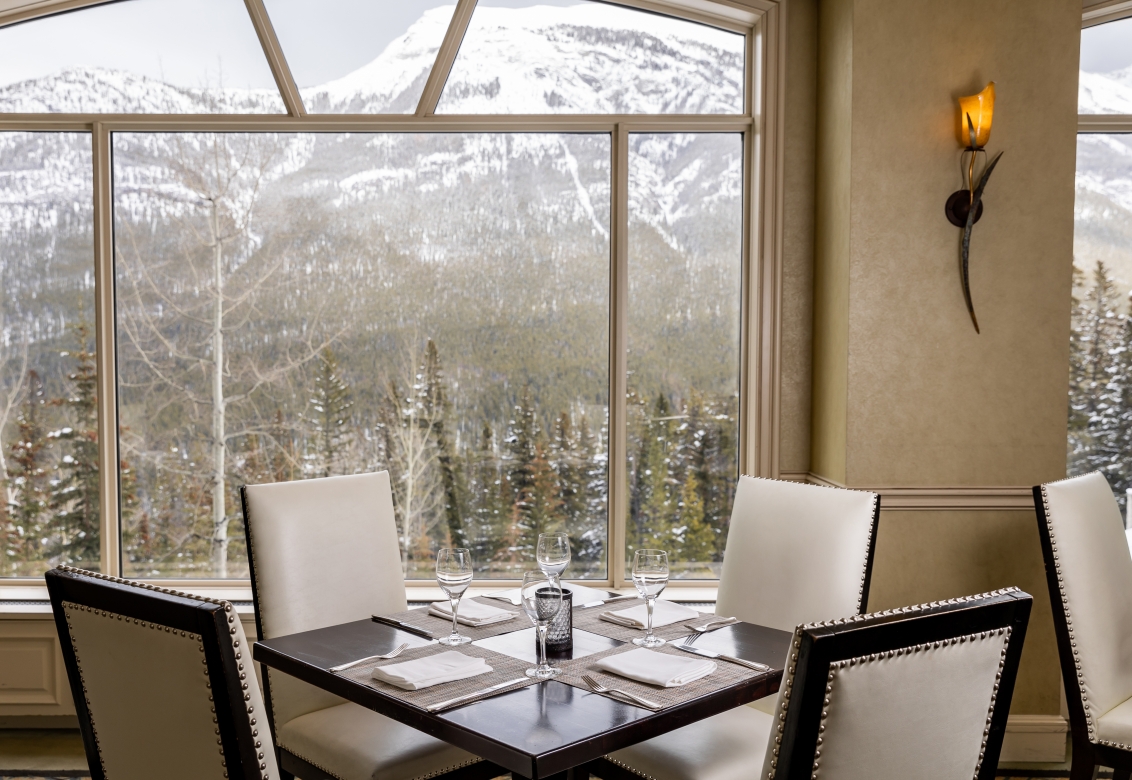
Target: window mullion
{"type": "Point", "coordinates": [104, 307]}
{"type": "Point", "coordinates": [288, 89]}
{"type": "Point", "coordinates": [618, 363]}
{"type": "Point", "coordinates": [445, 56]}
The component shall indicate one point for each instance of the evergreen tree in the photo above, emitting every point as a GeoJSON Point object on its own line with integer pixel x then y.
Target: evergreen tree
{"type": "Point", "coordinates": [74, 491]}
{"type": "Point", "coordinates": [488, 518]}
{"type": "Point", "coordinates": [332, 404]}
{"type": "Point", "coordinates": [568, 467]}
{"type": "Point", "coordinates": [591, 535]}
{"type": "Point", "coordinates": [694, 539]}
{"type": "Point", "coordinates": [522, 475]}
{"type": "Point", "coordinates": [27, 471]}
{"type": "Point", "coordinates": [650, 500]}
{"type": "Point", "coordinates": [451, 477]}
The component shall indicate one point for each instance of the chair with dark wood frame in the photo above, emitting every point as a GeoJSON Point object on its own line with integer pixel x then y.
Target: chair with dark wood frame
{"type": "Point", "coordinates": [888, 695]}
{"type": "Point", "coordinates": [323, 552]}
{"type": "Point", "coordinates": [163, 682]}
{"type": "Point", "coordinates": [1089, 574]}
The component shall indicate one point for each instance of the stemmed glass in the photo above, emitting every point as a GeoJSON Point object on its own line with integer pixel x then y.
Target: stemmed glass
{"type": "Point", "coordinates": [650, 575]}
{"type": "Point", "coordinates": [454, 575]}
{"type": "Point", "coordinates": [553, 554]}
{"type": "Point", "coordinates": [542, 598]}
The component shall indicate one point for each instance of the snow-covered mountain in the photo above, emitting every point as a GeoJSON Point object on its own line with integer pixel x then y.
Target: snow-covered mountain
{"type": "Point", "coordinates": [1103, 209]}
{"type": "Point", "coordinates": [1105, 93]}
{"type": "Point", "coordinates": [581, 59]}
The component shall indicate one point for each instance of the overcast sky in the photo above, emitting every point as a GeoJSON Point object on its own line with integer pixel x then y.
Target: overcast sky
{"type": "Point", "coordinates": [1107, 47]}
{"type": "Point", "coordinates": [194, 43]}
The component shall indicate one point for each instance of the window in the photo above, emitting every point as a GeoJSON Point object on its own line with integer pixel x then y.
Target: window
{"type": "Point", "coordinates": [48, 396]}
{"type": "Point", "coordinates": [533, 321]}
{"type": "Point", "coordinates": [139, 56]}
{"type": "Point", "coordinates": [1100, 392]}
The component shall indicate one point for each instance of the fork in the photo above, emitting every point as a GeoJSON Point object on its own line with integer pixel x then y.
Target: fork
{"type": "Point", "coordinates": [711, 625]}
{"type": "Point", "coordinates": [396, 651]}
{"type": "Point", "coordinates": [599, 688]}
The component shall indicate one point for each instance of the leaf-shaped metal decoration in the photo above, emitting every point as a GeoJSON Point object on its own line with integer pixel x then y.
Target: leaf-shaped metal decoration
{"type": "Point", "coordinates": [976, 198]}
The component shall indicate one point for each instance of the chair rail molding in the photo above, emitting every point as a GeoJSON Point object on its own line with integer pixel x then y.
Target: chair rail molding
{"type": "Point", "coordinates": [935, 498]}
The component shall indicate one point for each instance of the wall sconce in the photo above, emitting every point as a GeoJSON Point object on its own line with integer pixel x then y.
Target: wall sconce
{"type": "Point", "coordinates": [965, 207]}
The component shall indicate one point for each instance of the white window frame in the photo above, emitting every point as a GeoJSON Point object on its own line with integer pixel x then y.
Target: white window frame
{"type": "Point", "coordinates": [762, 22]}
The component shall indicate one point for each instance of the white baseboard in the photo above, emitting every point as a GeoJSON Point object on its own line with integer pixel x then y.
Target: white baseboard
{"type": "Point", "coordinates": [1035, 739]}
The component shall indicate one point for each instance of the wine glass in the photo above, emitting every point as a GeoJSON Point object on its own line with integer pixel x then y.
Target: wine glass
{"type": "Point", "coordinates": [650, 575]}
{"type": "Point", "coordinates": [454, 575]}
{"type": "Point", "coordinates": [542, 599]}
{"type": "Point", "coordinates": [553, 554]}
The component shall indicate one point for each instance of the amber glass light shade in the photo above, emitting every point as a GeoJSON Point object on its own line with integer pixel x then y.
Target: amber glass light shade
{"type": "Point", "coordinates": [981, 109]}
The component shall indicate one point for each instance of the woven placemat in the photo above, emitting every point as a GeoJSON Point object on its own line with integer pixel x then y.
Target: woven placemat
{"type": "Point", "coordinates": [725, 675]}
{"type": "Point", "coordinates": [590, 620]}
{"type": "Point", "coordinates": [442, 627]}
{"type": "Point", "coordinates": [503, 668]}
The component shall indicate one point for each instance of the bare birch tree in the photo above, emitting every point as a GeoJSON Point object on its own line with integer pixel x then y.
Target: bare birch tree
{"type": "Point", "coordinates": [182, 302]}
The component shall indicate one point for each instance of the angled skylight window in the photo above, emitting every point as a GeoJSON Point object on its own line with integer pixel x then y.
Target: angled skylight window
{"type": "Point", "coordinates": [1105, 85]}
{"type": "Point", "coordinates": [570, 57]}
{"type": "Point", "coordinates": [349, 56]}
{"type": "Point", "coordinates": [139, 56]}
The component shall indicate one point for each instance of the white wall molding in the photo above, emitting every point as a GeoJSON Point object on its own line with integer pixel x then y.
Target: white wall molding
{"type": "Point", "coordinates": [1034, 739]}
{"type": "Point", "coordinates": [936, 497]}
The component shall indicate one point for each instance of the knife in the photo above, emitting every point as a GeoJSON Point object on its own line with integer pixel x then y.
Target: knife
{"type": "Point", "coordinates": [599, 602]}
{"type": "Point", "coordinates": [406, 627]}
{"type": "Point", "coordinates": [443, 704]}
{"type": "Point", "coordinates": [712, 654]}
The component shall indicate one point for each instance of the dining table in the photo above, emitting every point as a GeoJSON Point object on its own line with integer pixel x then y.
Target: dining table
{"type": "Point", "coordinates": [545, 729]}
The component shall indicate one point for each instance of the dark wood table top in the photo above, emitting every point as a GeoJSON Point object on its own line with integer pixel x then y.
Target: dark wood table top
{"type": "Point", "coordinates": [539, 730]}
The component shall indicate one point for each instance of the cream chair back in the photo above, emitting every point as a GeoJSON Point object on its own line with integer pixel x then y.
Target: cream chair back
{"type": "Point", "coordinates": [163, 682]}
{"type": "Point", "coordinates": [1089, 570]}
{"type": "Point", "coordinates": [797, 553]}
{"type": "Point", "coordinates": [322, 552]}
{"type": "Point", "coordinates": [915, 691]}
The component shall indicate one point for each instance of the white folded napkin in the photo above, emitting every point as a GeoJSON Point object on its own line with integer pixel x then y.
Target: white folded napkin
{"type": "Point", "coordinates": [662, 669]}
{"type": "Point", "coordinates": [664, 613]}
{"type": "Point", "coordinates": [472, 613]}
{"type": "Point", "coordinates": [432, 670]}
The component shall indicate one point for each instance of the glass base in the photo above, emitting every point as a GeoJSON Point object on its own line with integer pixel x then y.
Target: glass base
{"type": "Point", "coordinates": [452, 640]}
{"type": "Point", "coordinates": [543, 673]}
{"type": "Point", "coordinates": [648, 641]}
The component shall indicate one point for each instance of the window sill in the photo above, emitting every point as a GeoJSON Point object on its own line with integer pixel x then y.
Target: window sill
{"type": "Point", "coordinates": [14, 599]}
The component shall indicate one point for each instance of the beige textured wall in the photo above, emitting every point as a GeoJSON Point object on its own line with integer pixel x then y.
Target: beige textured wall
{"type": "Point", "coordinates": [905, 393]}
{"type": "Point", "coordinates": [932, 402]}
{"type": "Point", "coordinates": [832, 234]}
{"type": "Point", "coordinates": [798, 236]}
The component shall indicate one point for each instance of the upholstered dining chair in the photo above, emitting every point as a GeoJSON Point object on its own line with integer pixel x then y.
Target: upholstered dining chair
{"type": "Point", "coordinates": [914, 691]}
{"type": "Point", "coordinates": [899, 693]}
{"type": "Point", "coordinates": [795, 554]}
{"type": "Point", "coordinates": [162, 681]}
{"type": "Point", "coordinates": [324, 552]}
{"type": "Point", "coordinates": [1089, 573]}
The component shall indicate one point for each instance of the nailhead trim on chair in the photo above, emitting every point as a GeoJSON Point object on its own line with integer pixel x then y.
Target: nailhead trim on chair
{"type": "Point", "coordinates": [788, 679]}
{"type": "Point", "coordinates": [868, 542]}
{"type": "Point", "coordinates": [231, 634]}
{"type": "Point", "coordinates": [874, 657]}
{"type": "Point", "coordinates": [1089, 720]}
{"type": "Point", "coordinates": [67, 606]}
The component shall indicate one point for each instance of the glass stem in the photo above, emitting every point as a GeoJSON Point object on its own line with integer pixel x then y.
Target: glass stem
{"type": "Point", "coordinates": [542, 627]}
{"type": "Point", "coordinates": [648, 606]}
{"type": "Point", "coordinates": [455, 608]}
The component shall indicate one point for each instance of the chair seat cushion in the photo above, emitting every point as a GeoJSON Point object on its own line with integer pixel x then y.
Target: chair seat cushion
{"type": "Point", "coordinates": [353, 743]}
{"type": "Point", "coordinates": [728, 746]}
{"type": "Point", "coordinates": [1116, 724]}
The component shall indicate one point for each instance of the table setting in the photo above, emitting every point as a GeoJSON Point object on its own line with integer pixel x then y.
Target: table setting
{"type": "Point", "coordinates": [646, 671]}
